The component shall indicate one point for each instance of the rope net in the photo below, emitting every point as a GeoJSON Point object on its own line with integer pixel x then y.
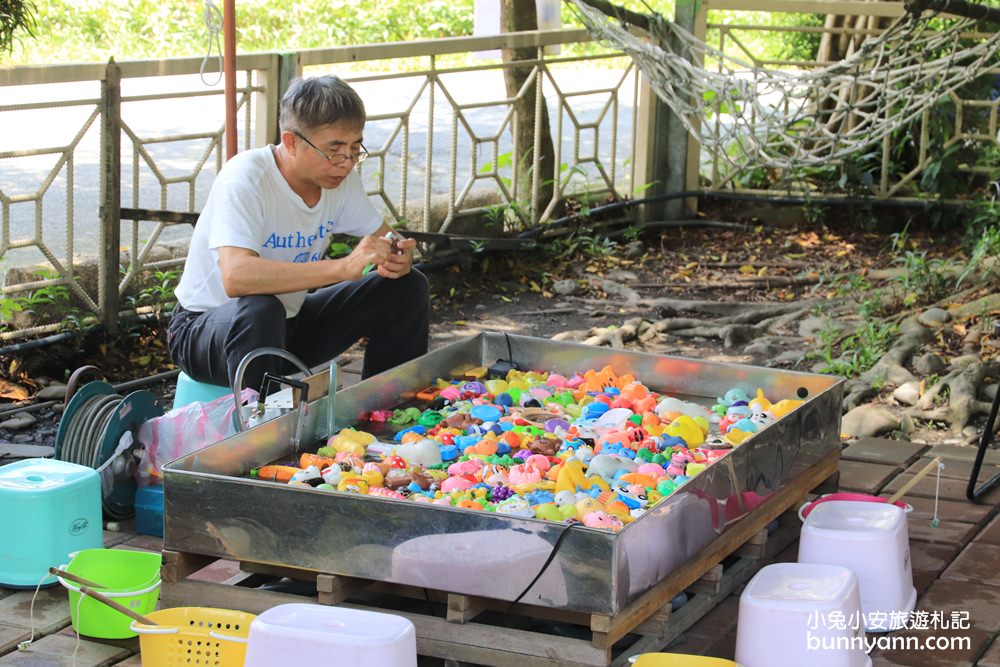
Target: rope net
{"type": "Point", "coordinates": [780, 119]}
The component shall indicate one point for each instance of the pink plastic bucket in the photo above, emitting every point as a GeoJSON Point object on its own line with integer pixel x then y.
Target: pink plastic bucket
{"type": "Point", "coordinates": [858, 497]}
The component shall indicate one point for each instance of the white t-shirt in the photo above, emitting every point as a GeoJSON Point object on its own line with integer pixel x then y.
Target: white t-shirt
{"type": "Point", "coordinates": [252, 206]}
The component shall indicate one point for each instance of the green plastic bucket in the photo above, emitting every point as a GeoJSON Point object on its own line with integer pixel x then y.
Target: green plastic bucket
{"type": "Point", "coordinates": [130, 578]}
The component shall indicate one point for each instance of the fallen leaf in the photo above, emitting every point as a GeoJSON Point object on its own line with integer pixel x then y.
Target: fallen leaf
{"type": "Point", "coordinates": [746, 269]}
{"type": "Point", "coordinates": [13, 391]}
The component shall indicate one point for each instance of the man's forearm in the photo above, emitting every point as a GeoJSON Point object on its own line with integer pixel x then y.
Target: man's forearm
{"type": "Point", "coordinates": [249, 274]}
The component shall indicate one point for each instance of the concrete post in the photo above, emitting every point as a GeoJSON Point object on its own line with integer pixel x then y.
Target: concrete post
{"type": "Point", "coordinates": [662, 155]}
{"type": "Point", "coordinates": [108, 298]}
{"type": "Point", "coordinates": [283, 68]}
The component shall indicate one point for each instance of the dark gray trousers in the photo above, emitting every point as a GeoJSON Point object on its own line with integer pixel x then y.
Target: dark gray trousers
{"type": "Point", "coordinates": [391, 314]}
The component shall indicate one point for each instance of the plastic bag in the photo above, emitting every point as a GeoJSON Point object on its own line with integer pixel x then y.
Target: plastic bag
{"type": "Point", "coordinates": [184, 430]}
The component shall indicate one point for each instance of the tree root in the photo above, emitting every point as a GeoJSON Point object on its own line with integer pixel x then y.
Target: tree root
{"type": "Point", "coordinates": [962, 385]}
{"type": "Point", "coordinates": [953, 400]}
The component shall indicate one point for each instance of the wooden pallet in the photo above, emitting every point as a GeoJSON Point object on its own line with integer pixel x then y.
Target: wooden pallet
{"type": "Point", "coordinates": [484, 631]}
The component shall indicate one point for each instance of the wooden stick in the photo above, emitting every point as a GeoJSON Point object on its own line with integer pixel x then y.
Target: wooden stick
{"type": "Point", "coordinates": [916, 478]}
{"type": "Point", "coordinates": [72, 577]}
{"type": "Point", "coordinates": [117, 607]}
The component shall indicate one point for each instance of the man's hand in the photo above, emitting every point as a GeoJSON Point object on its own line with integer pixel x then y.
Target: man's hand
{"type": "Point", "coordinates": [400, 260]}
{"type": "Point", "coordinates": [371, 250]}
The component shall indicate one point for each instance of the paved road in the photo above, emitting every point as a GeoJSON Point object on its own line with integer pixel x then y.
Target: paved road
{"type": "Point", "coordinates": [56, 128]}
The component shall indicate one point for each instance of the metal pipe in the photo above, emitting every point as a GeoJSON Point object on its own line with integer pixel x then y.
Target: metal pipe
{"type": "Point", "coordinates": [331, 400]}
{"type": "Point", "coordinates": [229, 63]}
{"type": "Point", "coordinates": [241, 422]}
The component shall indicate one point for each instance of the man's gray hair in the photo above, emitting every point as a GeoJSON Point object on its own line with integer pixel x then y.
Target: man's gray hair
{"type": "Point", "coordinates": [322, 100]}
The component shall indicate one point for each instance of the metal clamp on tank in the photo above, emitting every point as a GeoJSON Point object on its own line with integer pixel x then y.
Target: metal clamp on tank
{"type": "Point", "coordinates": [301, 410]}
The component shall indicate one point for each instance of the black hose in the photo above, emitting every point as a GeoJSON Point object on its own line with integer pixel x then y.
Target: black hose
{"type": "Point", "coordinates": [36, 343]}
{"type": "Point", "coordinates": [68, 335]}
{"type": "Point", "coordinates": [737, 196]}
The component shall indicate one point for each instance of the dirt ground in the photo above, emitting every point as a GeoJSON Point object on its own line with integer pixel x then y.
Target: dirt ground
{"type": "Point", "coordinates": [756, 264]}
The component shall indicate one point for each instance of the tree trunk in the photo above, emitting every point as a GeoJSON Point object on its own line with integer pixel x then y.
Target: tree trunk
{"type": "Point", "coordinates": [516, 16]}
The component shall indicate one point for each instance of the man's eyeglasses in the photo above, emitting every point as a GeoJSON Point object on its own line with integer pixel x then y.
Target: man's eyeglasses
{"type": "Point", "coordinates": [336, 159]}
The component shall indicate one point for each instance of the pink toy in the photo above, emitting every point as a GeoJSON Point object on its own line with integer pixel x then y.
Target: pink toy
{"type": "Point", "coordinates": [451, 393]}
{"type": "Point", "coordinates": [622, 402]}
{"type": "Point", "coordinates": [455, 484]}
{"type": "Point", "coordinates": [383, 492]}
{"type": "Point", "coordinates": [541, 393]}
{"type": "Point", "coordinates": [539, 461]}
{"type": "Point", "coordinates": [602, 520]}
{"type": "Point", "coordinates": [556, 380]}
{"type": "Point", "coordinates": [469, 467]}
{"type": "Point", "coordinates": [596, 520]}
{"type": "Point", "coordinates": [524, 473]}
{"type": "Point", "coordinates": [613, 437]}
{"type": "Point", "coordinates": [654, 470]}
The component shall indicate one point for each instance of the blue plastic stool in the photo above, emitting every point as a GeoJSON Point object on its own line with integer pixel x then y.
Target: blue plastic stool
{"type": "Point", "coordinates": [190, 390]}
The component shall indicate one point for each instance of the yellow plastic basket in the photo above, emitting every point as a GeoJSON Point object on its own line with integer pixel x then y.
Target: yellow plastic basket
{"type": "Point", "coordinates": [194, 636]}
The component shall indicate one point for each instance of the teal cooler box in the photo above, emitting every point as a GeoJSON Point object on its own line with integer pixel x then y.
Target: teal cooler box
{"type": "Point", "coordinates": [50, 509]}
{"type": "Point", "coordinates": [149, 510]}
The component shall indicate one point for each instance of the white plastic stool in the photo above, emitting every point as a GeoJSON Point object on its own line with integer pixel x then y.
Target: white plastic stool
{"type": "Point", "coordinates": [189, 390]}
{"type": "Point", "coordinates": [872, 540]}
{"type": "Point", "coordinates": [302, 634]}
{"type": "Point", "coordinates": [798, 615]}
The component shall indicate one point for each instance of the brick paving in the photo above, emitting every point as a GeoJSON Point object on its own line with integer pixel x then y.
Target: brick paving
{"type": "Point", "coordinates": [956, 568]}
